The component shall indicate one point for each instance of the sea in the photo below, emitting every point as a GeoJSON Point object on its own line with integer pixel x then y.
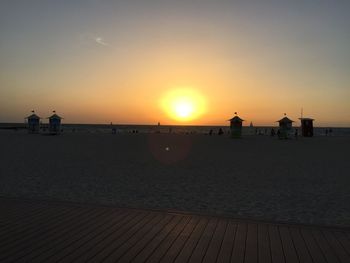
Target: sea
{"type": "Point", "coordinates": [176, 129]}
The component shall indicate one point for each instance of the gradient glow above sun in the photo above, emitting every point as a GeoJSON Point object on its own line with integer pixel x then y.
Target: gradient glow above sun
{"type": "Point", "coordinates": [183, 105]}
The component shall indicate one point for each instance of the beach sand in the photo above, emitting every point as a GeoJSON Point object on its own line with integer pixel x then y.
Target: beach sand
{"type": "Point", "coordinates": [300, 181]}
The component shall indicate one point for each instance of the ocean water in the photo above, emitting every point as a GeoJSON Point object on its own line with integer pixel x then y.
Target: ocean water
{"type": "Point", "coordinates": [176, 129]}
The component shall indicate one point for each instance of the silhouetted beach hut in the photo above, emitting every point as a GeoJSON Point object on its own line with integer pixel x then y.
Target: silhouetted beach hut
{"type": "Point", "coordinates": [33, 122]}
{"type": "Point", "coordinates": [236, 126]}
{"type": "Point", "coordinates": [285, 127]}
{"type": "Point", "coordinates": [55, 123]}
{"type": "Point", "coordinates": [307, 127]}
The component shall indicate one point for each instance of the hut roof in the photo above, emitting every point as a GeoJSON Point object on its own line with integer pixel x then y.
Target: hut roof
{"type": "Point", "coordinates": [285, 119]}
{"type": "Point", "coordinates": [306, 119]}
{"type": "Point", "coordinates": [33, 116]}
{"type": "Point", "coordinates": [236, 119]}
{"type": "Point", "coordinates": [55, 116]}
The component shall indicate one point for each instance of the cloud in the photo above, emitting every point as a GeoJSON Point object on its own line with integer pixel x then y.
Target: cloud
{"type": "Point", "coordinates": [91, 40]}
{"type": "Point", "coordinates": [101, 41]}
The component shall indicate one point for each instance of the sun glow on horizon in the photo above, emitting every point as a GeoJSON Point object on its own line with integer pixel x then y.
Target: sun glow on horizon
{"type": "Point", "coordinates": [183, 105]}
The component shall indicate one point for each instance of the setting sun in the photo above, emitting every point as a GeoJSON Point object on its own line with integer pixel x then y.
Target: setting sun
{"type": "Point", "coordinates": [183, 104]}
{"type": "Point", "coordinates": [183, 108]}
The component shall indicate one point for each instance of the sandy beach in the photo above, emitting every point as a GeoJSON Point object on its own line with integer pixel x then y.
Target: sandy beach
{"type": "Point", "coordinates": [301, 181]}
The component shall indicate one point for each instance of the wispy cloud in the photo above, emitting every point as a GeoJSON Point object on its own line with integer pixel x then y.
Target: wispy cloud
{"type": "Point", "coordinates": [92, 40]}
{"type": "Point", "coordinates": [101, 41]}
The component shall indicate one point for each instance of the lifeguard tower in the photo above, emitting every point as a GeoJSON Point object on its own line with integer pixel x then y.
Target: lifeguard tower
{"type": "Point", "coordinates": [55, 123]}
{"type": "Point", "coordinates": [307, 127]}
{"type": "Point", "coordinates": [33, 123]}
{"type": "Point", "coordinates": [285, 127]}
{"type": "Point", "coordinates": [236, 126]}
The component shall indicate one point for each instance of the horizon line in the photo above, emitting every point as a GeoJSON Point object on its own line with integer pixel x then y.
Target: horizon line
{"type": "Point", "coordinates": [156, 125]}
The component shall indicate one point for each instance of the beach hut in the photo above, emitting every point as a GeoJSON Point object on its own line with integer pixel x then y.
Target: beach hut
{"type": "Point", "coordinates": [55, 123]}
{"type": "Point", "coordinates": [285, 127]}
{"type": "Point", "coordinates": [307, 127]}
{"type": "Point", "coordinates": [236, 126]}
{"type": "Point", "coordinates": [33, 123]}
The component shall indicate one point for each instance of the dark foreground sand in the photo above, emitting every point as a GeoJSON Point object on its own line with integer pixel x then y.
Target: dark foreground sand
{"type": "Point", "coordinates": [305, 180]}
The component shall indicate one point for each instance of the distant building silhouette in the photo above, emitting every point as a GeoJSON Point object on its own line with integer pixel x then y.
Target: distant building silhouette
{"type": "Point", "coordinates": [55, 123]}
{"type": "Point", "coordinates": [307, 127]}
{"type": "Point", "coordinates": [33, 123]}
{"type": "Point", "coordinates": [236, 126]}
{"type": "Point", "coordinates": [285, 127]}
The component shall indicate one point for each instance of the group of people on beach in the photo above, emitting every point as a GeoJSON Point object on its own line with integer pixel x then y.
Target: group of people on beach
{"type": "Point", "coordinates": [220, 132]}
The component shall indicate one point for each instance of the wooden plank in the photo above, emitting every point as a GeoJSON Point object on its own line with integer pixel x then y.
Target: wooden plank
{"type": "Point", "coordinates": [76, 250]}
{"type": "Point", "coordinates": [180, 241]}
{"type": "Point", "coordinates": [33, 218]}
{"type": "Point", "coordinates": [277, 254]}
{"type": "Point", "coordinates": [14, 210]}
{"type": "Point", "coordinates": [251, 253]}
{"type": "Point", "coordinates": [204, 241]}
{"type": "Point", "coordinates": [9, 223]}
{"type": "Point", "coordinates": [162, 249]}
{"type": "Point", "coordinates": [118, 241]}
{"type": "Point", "coordinates": [21, 239]}
{"type": "Point", "coordinates": [192, 241]}
{"type": "Point", "coordinates": [214, 248]}
{"type": "Point", "coordinates": [119, 251]}
{"type": "Point", "coordinates": [31, 222]}
{"type": "Point", "coordinates": [338, 249]}
{"type": "Point", "coordinates": [238, 251]}
{"type": "Point", "coordinates": [59, 243]}
{"type": "Point", "coordinates": [17, 211]}
{"type": "Point", "coordinates": [290, 254]}
{"type": "Point", "coordinates": [130, 253]}
{"type": "Point", "coordinates": [113, 237]}
{"type": "Point", "coordinates": [45, 239]}
{"type": "Point", "coordinates": [343, 240]}
{"type": "Point", "coordinates": [300, 245]}
{"type": "Point", "coordinates": [159, 239]}
{"type": "Point", "coordinates": [44, 232]}
{"type": "Point", "coordinates": [324, 246]}
{"type": "Point", "coordinates": [227, 243]}
{"type": "Point", "coordinates": [315, 251]}
{"type": "Point", "coordinates": [264, 250]}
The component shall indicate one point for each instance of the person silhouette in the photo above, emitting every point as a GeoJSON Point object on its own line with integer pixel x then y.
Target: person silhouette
{"type": "Point", "coordinates": [272, 132]}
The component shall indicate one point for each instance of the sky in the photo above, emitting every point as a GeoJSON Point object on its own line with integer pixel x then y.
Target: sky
{"type": "Point", "coordinates": [102, 61]}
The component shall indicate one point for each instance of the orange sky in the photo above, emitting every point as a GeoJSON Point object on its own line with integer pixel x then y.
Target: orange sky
{"type": "Point", "coordinates": [104, 62]}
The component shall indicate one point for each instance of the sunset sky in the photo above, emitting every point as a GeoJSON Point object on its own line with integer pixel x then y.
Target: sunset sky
{"type": "Point", "coordinates": [102, 61]}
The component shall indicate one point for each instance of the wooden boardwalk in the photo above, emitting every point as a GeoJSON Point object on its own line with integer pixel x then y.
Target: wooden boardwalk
{"type": "Point", "coordinates": [38, 231]}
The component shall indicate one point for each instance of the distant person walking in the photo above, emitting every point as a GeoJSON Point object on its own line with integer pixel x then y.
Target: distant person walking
{"type": "Point", "coordinates": [272, 132]}
{"type": "Point", "coordinates": [296, 134]}
{"type": "Point", "coordinates": [221, 132]}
